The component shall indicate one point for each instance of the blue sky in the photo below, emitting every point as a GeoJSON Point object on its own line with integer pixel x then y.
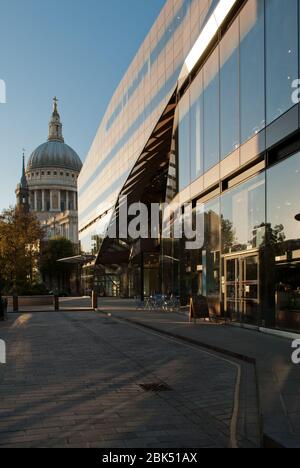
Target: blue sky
{"type": "Point", "coordinates": [75, 49]}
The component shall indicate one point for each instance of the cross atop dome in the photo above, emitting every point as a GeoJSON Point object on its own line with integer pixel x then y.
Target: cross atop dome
{"type": "Point", "coordinates": [55, 102]}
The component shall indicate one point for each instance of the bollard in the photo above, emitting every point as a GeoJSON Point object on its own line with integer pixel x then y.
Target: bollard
{"type": "Point", "coordinates": [94, 300]}
{"type": "Point", "coordinates": [56, 302]}
{"type": "Point", "coordinates": [15, 303]}
{"type": "Point", "coordinates": [2, 311]}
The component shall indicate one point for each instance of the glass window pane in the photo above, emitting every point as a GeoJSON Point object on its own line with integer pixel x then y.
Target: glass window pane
{"type": "Point", "coordinates": [283, 198]}
{"type": "Point", "coordinates": [283, 234]}
{"type": "Point", "coordinates": [211, 111]}
{"type": "Point", "coordinates": [197, 127]}
{"type": "Point", "coordinates": [243, 216]}
{"type": "Point", "coordinates": [211, 250]}
{"type": "Point", "coordinates": [229, 99]}
{"type": "Point", "coordinates": [282, 55]}
{"type": "Point", "coordinates": [184, 142]}
{"type": "Point", "coordinates": [252, 69]}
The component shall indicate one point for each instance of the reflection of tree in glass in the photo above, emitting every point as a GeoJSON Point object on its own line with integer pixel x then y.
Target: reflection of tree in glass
{"type": "Point", "coordinates": [211, 231]}
{"type": "Point", "coordinates": [273, 237]}
{"type": "Point", "coordinates": [228, 235]}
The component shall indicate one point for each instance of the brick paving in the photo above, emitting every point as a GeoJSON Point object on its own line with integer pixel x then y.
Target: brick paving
{"type": "Point", "coordinates": [278, 378]}
{"type": "Point", "coordinates": [72, 380]}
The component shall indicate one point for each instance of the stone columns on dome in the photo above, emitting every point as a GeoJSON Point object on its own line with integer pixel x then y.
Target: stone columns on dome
{"type": "Point", "coordinates": [43, 201]}
{"type": "Point", "coordinates": [35, 200]}
{"type": "Point", "coordinates": [59, 200]}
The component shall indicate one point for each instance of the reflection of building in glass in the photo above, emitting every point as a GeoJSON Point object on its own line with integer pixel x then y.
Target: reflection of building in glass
{"type": "Point", "coordinates": [205, 115]}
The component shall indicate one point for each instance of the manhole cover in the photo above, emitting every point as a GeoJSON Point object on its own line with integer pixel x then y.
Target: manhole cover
{"type": "Point", "coordinates": [156, 387]}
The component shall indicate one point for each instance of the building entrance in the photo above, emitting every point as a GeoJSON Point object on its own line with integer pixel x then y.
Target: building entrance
{"type": "Point", "coordinates": [241, 287]}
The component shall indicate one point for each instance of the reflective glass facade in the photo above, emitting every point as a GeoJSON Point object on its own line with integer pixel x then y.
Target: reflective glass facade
{"type": "Point", "coordinates": [245, 84]}
{"type": "Point", "coordinates": [234, 150]}
{"type": "Point", "coordinates": [283, 233]}
{"type": "Point", "coordinates": [240, 99]}
{"type": "Point", "coordinates": [136, 107]}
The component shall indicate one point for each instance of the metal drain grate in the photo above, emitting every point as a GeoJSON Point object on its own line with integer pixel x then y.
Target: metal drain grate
{"type": "Point", "coordinates": [155, 387]}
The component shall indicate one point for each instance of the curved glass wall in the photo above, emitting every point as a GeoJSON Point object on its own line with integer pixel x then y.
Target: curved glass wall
{"type": "Point", "coordinates": [137, 105]}
{"type": "Point", "coordinates": [250, 262]}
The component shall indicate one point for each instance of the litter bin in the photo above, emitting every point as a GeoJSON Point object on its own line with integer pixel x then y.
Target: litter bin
{"type": "Point", "coordinates": [3, 308]}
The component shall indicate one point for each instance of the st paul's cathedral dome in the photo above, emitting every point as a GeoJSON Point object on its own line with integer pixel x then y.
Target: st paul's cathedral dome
{"type": "Point", "coordinates": [55, 152]}
{"type": "Point", "coordinates": [48, 185]}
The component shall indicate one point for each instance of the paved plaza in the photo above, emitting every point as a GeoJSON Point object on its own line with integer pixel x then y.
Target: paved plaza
{"type": "Point", "coordinates": [83, 379]}
{"type": "Point", "coordinates": [278, 378]}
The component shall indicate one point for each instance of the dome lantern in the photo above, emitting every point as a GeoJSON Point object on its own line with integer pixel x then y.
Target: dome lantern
{"type": "Point", "coordinates": [55, 153]}
{"type": "Point", "coordinates": [55, 125]}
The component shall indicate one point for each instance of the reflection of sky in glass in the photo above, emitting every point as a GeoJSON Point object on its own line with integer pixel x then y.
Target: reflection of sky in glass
{"type": "Point", "coordinates": [229, 98]}
{"type": "Point", "coordinates": [247, 211]}
{"type": "Point", "coordinates": [94, 235]}
{"type": "Point", "coordinates": [284, 196]}
{"type": "Point", "coordinates": [244, 207]}
{"type": "Point", "coordinates": [281, 56]}
{"type": "Point", "coordinates": [211, 111]}
{"type": "Point", "coordinates": [252, 59]}
{"type": "Point", "coordinates": [184, 142]}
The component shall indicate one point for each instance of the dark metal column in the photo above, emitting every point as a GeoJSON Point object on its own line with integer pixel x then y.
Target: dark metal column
{"type": "Point", "coordinates": [142, 278]}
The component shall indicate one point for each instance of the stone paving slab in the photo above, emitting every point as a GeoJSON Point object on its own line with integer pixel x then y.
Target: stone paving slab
{"type": "Point", "coordinates": [278, 377]}
{"type": "Point", "coordinates": [73, 380]}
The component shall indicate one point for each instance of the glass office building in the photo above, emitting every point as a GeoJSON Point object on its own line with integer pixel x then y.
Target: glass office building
{"type": "Point", "coordinates": [207, 114]}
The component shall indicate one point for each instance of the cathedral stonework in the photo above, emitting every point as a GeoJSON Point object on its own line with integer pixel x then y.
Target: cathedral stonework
{"type": "Point", "coordinates": [48, 186]}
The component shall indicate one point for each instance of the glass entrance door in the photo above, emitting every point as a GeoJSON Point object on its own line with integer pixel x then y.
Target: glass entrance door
{"type": "Point", "coordinates": [242, 288]}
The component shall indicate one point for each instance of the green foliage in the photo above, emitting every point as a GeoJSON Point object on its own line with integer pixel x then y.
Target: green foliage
{"type": "Point", "coordinates": [37, 289]}
{"type": "Point", "coordinates": [54, 250]}
{"type": "Point", "coordinates": [20, 237]}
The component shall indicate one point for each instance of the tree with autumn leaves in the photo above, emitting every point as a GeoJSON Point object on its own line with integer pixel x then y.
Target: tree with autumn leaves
{"type": "Point", "coordinates": [20, 237]}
